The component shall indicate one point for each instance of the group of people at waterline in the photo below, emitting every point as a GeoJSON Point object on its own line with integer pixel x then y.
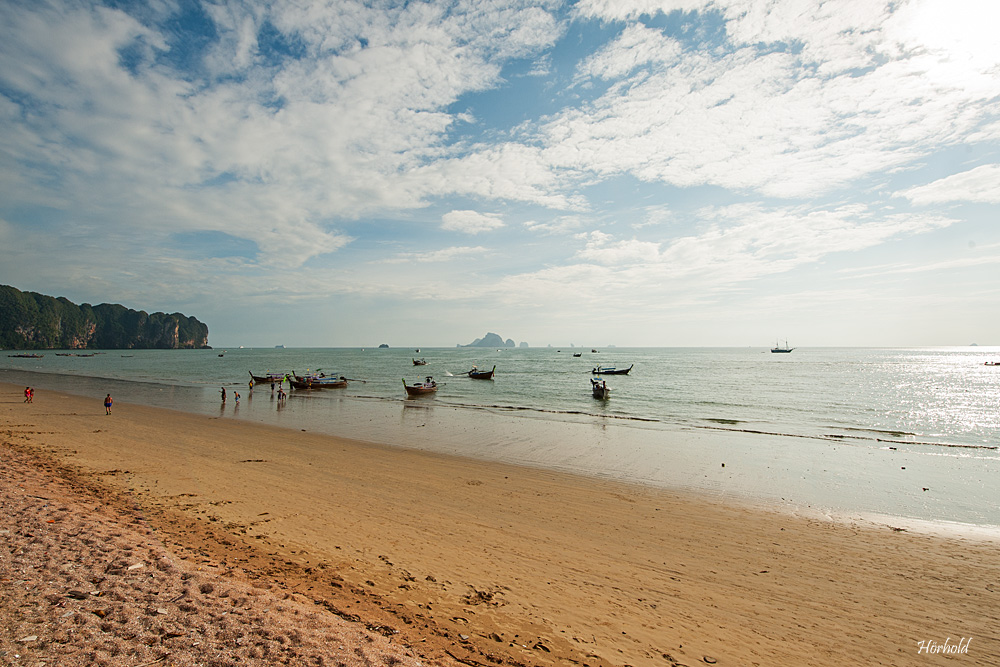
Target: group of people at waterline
{"type": "Point", "coordinates": [29, 396]}
{"type": "Point", "coordinates": [281, 392]}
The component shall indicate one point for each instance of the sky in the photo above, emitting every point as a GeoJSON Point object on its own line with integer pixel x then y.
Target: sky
{"type": "Point", "coordinates": [601, 172]}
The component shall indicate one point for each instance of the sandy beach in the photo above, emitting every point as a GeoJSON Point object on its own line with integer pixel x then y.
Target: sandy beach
{"type": "Point", "coordinates": [167, 538]}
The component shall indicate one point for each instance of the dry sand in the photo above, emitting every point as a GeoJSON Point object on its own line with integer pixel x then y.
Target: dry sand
{"type": "Point", "coordinates": [256, 545]}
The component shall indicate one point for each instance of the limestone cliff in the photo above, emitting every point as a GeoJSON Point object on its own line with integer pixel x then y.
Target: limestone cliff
{"type": "Point", "coordinates": [30, 321]}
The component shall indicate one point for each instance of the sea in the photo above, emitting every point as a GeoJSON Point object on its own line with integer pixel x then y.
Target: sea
{"type": "Point", "coordinates": [909, 437]}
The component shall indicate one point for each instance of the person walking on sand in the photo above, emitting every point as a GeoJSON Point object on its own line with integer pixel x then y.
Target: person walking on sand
{"type": "Point", "coordinates": [27, 394]}
{"type": "Point", "coordinates": [107, 403]}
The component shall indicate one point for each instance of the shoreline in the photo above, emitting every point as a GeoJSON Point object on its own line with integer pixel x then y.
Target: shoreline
{"type": "Point", "coordinates": [456, 554]}
{"type": "Point", "coordinates": [887, 481]}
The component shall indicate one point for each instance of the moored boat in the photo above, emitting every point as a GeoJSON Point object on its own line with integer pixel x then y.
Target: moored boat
{"type": "Point", "coordinates": [600, 389]}
{"type": "Point", "coordinates": [611, 370]}
{"type": "Point", "coordinates": [419, 362]}
{"type": "Point", "coordinates": [268, 378]}
{"type": "Point", "coordinates": [477, 374]}
{"type": "Point", "coordinates": [428, 386]}
{"type": "Point", "coordinates": [27, 356]}
{"type": "Point", "coordinates": [314, 381]}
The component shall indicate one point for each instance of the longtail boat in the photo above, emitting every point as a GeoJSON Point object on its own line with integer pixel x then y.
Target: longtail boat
{"type": "Point", "coordinates": [269, 378]}
{"type": "Point", "coordinates": [477, 374]}
{"type": "Point", "coordinates": [313, 381]}
{"type": "Point", "coordinates": [611, 370]}
{"type": "Point", "coordinates": [428, 386]}
{"type": "Point", "coordinates": [600, 389]}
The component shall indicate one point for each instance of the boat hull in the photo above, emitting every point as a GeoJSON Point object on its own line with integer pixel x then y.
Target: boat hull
{"type": "Point", "coordinates": [612, 371]}
{"type": "Point", "coordinates": [600, 390]}
{"type": "Point", "coordinates": [429, 386]}
{"type": "Point", "coordinates": [267, 379]}
{"type": "Point", "coordinates": [317, 384]}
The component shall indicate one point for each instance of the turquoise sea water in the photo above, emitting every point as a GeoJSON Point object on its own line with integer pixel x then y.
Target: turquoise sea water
{"type": "Point", "coordinates": [900, 432]}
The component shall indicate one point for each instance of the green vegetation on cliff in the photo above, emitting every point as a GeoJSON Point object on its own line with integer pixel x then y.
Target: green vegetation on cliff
{"type": "Point", "coordinates": [30, 321]}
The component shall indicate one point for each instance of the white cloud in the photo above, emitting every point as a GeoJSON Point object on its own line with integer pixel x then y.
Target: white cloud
{"type": "Point", "coordinates": [269, 149]}
{"type": "Point", "coordinates": [735, 246]}
{"type": "Point", "coordinates": [563, 224]}
{"type": "Point", "coordinates": [981, 184]}
{"type": "Point", "coordinates": [601, 250]}
{"type": "Point", "coordinates": [862, 97]}
{"type": "Point", "coordinates": [470, 222]}
{"type": "Point", "coordinates": [443, 255]}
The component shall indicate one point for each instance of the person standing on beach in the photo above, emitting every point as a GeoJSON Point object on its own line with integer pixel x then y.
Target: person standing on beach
{"type": "Point", "coordinates": [107, 403]}
{"type": "Point", "coordinates": [223, 392]}
{"type": "Point", "coordinates": [27, 394]}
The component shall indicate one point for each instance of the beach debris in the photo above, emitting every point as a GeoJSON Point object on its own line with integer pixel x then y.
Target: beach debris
{"type": "Point", "coordinates": [709, 659]}
{"type": "Point", "coordinates": [29, 638]}
{"type": "Point", "coordinates": [477, 597]}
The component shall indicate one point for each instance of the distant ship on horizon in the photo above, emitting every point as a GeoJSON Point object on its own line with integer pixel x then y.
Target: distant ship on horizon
{"type": "Point", "coordinates": [778, 349]}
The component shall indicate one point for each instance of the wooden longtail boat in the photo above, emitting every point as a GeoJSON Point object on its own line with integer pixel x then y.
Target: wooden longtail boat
{"type": "Point", "coordinates": [269, 378]}
{"type": "Point", "coordinates": [321, 381]}
{"type": "Point", "coordinates": [428, 386]}
{"type": "Point", "coordinates": [611, 370]}
{"type": "Point", "coordinates": [600, 389]}
{"type": "Point", "coordinates": [477, 374]}
{"type": "Point", "coordinates": [419, 362]}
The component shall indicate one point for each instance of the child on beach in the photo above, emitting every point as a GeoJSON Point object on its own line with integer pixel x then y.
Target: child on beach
{"type": "Point", "coordinates": [107, 403]}
{"type": "Point", "coordinates": [237, 394]}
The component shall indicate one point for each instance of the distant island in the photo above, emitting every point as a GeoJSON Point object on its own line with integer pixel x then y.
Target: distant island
{"type": "Point", "coordinates": [492, 340]}
{"type": "Point", "coordinates": [31, 321]}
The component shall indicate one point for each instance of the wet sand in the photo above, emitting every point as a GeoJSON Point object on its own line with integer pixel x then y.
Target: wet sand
{"type": "Point", "coordinates": [450, 559]}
